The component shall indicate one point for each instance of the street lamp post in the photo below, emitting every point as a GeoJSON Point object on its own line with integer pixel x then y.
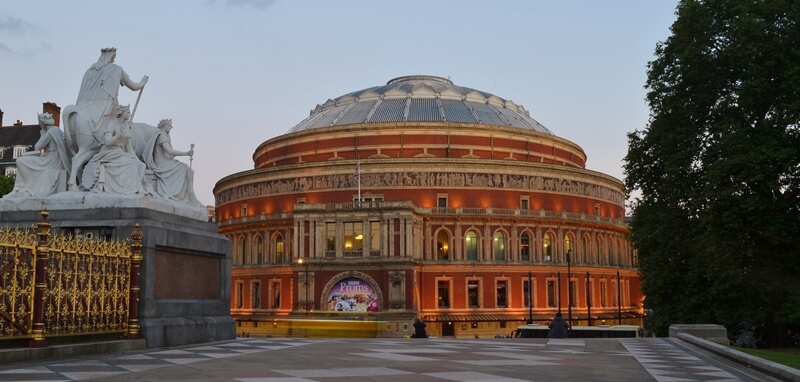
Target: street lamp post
{"type": "Point", "coordinates": [619, 301]}
{"type": "Point", "coordinates": [569, 290]}
{"type": "Point", "coordinates": [306, 285]}
{"type": "Point", "coordinates": [588, 299]}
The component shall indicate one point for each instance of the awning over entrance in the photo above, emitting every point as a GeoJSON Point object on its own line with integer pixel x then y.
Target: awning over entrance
{"type": "Point", "coordinates": [476, 317]}
{"type": "Point", "coordinates": [514, 317]}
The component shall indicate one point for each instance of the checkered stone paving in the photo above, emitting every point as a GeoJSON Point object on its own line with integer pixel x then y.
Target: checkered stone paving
{"type": "Point", "coordinates": [109, 367]}
{"type": "Point", "coordinates": [666, 363]}
{"type": "Point", "coordinates": [389, 360]}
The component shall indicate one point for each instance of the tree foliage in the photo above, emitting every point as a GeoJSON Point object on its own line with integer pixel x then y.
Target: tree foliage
{"type": "Point", "coordinates": [717, 170]}
{"type": "Point", "coordinates": [6, 184]}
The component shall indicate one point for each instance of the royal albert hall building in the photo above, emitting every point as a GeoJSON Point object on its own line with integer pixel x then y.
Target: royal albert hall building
{"type": "Point", "coordinates": [421, 198]}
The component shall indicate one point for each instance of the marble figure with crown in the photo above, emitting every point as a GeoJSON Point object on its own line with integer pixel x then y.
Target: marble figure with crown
{"type": "Point", "coordinates": [105, 174]}
{"type": "Point", "coordinates": [103, 158]}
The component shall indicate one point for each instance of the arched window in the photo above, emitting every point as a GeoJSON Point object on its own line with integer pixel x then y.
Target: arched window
{"type": "Point", "coordinates": [568, 247]}
{"type": "Point", "coordinates": [624, 256]}
{"type": "Point", "coordinates": [242, 252]}
{"type": "Point", "coordinates": [612, 251]}
{"type": "Point", "coordinates": [525, 247]}
{"type": "Point", "coordinates": [442, 245]}
{"type": "Point", "coordinates": [278, 249]}
{"type": "Point", "coordinates": [259, 250]}
{"type": "Point", "coordinates": [548, 247]}
{"type": "Point", "coordinates": [585, 249]}
{"type": "Point", "coordinates": [499, 246]}
{"type": "Point", "coordinates": [600, 258]}
{"type": "Point", "coordinates": [471, 246]}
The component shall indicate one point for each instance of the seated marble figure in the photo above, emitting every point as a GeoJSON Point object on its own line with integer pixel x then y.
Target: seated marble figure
{"type": "Point", "coordinates": [173, 179]}
{"type": "Point", "coordinates": [44, 170]}
{"type": "Point", "coordinates": [116, 169]}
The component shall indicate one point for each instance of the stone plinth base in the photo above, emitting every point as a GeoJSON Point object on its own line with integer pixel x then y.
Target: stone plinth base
{"type": "Point", "coordinates": [709, 332]}
{"type": "Point", "coordinates": [81, 200]}
{"type": "Point", "coordinates": [187, 330]}
{"type": "Point", "coordinates": [185, 271]}
{"type": "Point", "coordinates": [13, 355]}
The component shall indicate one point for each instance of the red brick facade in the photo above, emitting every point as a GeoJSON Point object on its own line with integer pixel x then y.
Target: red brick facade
{"type": "Point", "coordinates": [451, 221]}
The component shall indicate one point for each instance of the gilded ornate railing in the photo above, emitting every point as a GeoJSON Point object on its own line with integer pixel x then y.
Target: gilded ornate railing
{"type": "Point", "coordinates": [17, 270]}
{"type": "Point", "coordinates": [54, 285]}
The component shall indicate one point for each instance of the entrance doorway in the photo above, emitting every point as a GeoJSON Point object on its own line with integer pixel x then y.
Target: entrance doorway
{"type": "Point", "coordinates": [448, 329]}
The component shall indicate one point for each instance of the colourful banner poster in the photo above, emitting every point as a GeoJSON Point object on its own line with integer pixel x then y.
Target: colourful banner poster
{"type": "Point", "coordinates": [353, 295]}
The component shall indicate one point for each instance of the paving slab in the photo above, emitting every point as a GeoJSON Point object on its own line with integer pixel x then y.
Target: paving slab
{"type": "Point", "coordinates": [388, 360]}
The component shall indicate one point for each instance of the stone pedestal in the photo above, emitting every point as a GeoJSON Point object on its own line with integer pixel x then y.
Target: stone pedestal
{"type": "Point", "coordinates": [709, 332]}
{"type": "Point", "coordinates": [185, 272]}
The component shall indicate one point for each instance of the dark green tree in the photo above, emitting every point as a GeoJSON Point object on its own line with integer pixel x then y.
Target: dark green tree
{"type": "Point", "coordinates": [6, 184]}
{"type": "Point", "coordinates": [715, 176]}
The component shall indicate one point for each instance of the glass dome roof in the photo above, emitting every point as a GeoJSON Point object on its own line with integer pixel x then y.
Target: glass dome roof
{"type": "Point", "coordinates": [419, 99]}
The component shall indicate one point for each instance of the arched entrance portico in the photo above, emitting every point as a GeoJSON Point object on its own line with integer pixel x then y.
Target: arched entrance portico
{"type": "Point", "coordinates": [352, 292]}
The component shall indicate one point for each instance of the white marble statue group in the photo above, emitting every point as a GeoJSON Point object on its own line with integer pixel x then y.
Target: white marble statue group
{"type": "Point", "coordinates": [101, 150]}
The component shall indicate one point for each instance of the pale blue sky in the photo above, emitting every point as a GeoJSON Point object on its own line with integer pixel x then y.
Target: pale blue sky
{"type": "Point", "coordinates": [234, 73]}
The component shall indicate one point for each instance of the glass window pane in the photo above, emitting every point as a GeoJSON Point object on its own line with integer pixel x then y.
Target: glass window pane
{"type": "Point", "coordinates": [525, 247]}
{"type": "Point", "coordinates": [443, 289]}
{"type": "Point", "coordinates": [279, 249]}
{"type": "Point", "coordinates": [256, 295]}
{"type": "Point", "coordinates": [375, 237]}
{"type": "Point", "coordinates": [502, 298]}
{"type": "Point", "coordinates": [276, 295]}
{"type": "Point", "coordinates": [239, 293]}
{"type": "Point", "coordinates": [499, 246]}
{"type": "Point", "coordinates": [353, 236]}
{"type": "Point", "coordinates": [548, 247]}
{"type": "Point", "coordinates": [471, 245]}
{"type": "Point", "coordinates": [442, 245]}
{"type": "Point", "coordinates": [330, 237]}
{"type": "Point", "coordinates": [472, 294]}
{"type": "Point", "coordinates": [259, 250]}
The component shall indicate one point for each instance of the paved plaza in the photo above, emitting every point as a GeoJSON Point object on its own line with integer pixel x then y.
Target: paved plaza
{"type": "Point", "coordinates": [387, 360]}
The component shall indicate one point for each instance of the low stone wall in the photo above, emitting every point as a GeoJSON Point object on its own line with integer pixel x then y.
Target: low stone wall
{"type": "Point", "coordinates": [782, 372]}
{"type": "Point", "coordinates": [709, 332]}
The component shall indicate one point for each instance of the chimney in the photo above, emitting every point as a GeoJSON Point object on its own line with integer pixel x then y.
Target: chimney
{"type": "Point", "coordinates": [18, 123]}
{"type": "Point", "coordinates": [54, 110]}
{"type": "Point", "coordinates": [1, 118]}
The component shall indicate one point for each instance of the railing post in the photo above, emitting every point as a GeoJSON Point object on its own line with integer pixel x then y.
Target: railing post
{"type": "Point", "coordinates": [133, 301]}
{"type": "Point", "coordinates": [42, 253]}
